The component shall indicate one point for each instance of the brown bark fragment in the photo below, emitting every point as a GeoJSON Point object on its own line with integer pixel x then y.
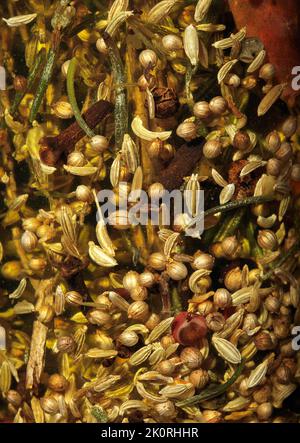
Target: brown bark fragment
{"type": "Point", "coordinates": [35, 364]}
{"type": "Point", "coordinates": [182, 165]}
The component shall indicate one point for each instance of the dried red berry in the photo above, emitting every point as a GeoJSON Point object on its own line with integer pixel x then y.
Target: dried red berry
{"type": "Point", "coordinates": [188, 329]}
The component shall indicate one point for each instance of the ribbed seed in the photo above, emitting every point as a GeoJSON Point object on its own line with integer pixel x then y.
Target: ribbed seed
{"type": "Point", "coordinates": [99, 256]}
{"type": "Point", "coordinates": [159, 330]}
{"type": "Point", "coordinates": [81, 171]}
{"type": "Point", "coordinates": [115, 171]}
{"type": "Point", "coordinates": [176, 390]}
{"type": "Point", "coordinates": [104, 239]}
{"type": "Point", "coordinates": [170, 243]}
{"type": "Point", "coordinates": [257, 375]}
{"type": "Point", "coordinates": [237, 404]}
{"type": "Point", "coordinates": [5, 377]}
{"type": "Point", "coordinates": [141, 355]}
{"type": "Point", "coordinates": [101, 353]}
{"type": "Point", "coordinates": [201, 9]}
{"type": "Point", "coordinates": [37, 410]}
{"type": "Point", "coordinates": [20, 289]}
{"type": "Point", "coordinates": [242, 296]}
{"type": "Point", "coordinates": [118, 301]}
{"type": "Point", "coordinates": [227, 193]}
{"type": "Point", "coordinates": [116, 7]}
{"type": "Point", "coordinates": [160, 11]}
{"type": "Point", "coordinates": [218, 178]}
{"type": "Point", "coordinates": [19, 20]}
{"type": "Point", "coordinates": [225, 70]}
{"type": "Point", "coordinates": [130, 153]}
{"type": "Point", "coordinates": [148, 395]}
{"type": "Point", "coordinates": [270, 98]}
{"type": "Point", "coordinates": [257, 62]}
{"type": "Point", "coordinates": [191, 44]}
{"type": "Point", "coordinates": [227, 350]}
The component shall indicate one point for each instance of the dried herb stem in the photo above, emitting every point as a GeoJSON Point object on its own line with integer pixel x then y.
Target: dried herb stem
{"type": "Point", "coordinates": [133, 251]}
{"type": "Point", "coordinates": [213, 391]}
{"type": "Point", "coordinates": [164, 293]}
{"type": "Point", "coordinates": [230, 225]}
{"type": "Point", "coordinates": [231, 206]}
{"type": "Point", "coordinates": [87, 22]}
{"type": "Point", "coordinates": [176, 301]}
{"type": "Point", "coordinates": [238, 204]}
{"type": "Point", "coordinates": [136, 96]}
{"type": "Point", "coordinates": [190, 72]}
{"type": "Point", "coordinates": [72, 98]}
{"type": "Point", "coordinates": [281, 261]}
{"type": "Point", "coordinates": [44, 81]}
{"type": "Point", "coordinates": [255, 249]}
{"type": "Point", "coordinates": [121, 110]}
{"type": "Point", "coordinates": [39, 61]}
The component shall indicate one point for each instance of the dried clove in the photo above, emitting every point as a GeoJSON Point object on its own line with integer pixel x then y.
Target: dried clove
{"type": "Point", "coordinates": [53, 148]}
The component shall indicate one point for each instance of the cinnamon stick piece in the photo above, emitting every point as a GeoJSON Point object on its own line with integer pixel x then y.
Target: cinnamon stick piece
{"type": "Point", "coordinates": [182, 165]}
{"type": "Point", "coordinates": [54, 147]}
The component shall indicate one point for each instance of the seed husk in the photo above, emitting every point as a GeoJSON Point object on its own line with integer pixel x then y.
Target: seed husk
{"type": "Point", "coordinates": [19, 20]}
{"type": "Point", "coordinates": [139, 130]}
{"type": "Point", "coordinates": [99, 256]}
{"type": "Point", "coordinates": [5, 377]}
{"type": "Point", "coordinates": [270, 98]}
{"type": "Point", "coordinates": [17, 293]}
{"type": "Point", "coordinates": [81, 171]}
{"type": "Point", "coordinates": [101, 353]}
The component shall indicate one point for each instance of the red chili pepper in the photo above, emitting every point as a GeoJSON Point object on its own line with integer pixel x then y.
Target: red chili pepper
{"type": "Point", "coordinates": [276, 24]}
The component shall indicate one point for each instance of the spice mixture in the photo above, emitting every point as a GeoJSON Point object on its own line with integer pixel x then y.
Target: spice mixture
{"type": "Point", "coordinates": [125, 322]}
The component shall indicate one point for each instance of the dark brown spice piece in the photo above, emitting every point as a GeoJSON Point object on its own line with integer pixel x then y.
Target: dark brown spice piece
{"type": "Point", "coordinates": [123, 352]}
{"type": "Point", "coordinates": [53, 148]}
{"type": "Point", "coordinates": [182, 165]}
{"type": "Point", "coordinates": [244, 186]}
{"type": "Point", "coordinates": [20, 83]}
{"type": "Point", "coordinates": [166, 102]}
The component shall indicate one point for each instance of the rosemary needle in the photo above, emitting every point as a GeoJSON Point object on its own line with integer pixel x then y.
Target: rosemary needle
{"type": "Point", "coordinates": [121, 110]}
{"type": "Point", "coordinates": [72, 98]}
{"type": "Point", "coordinates": [40, 59]}
{"type": "Point", "coordinates": [230, 206]}
{"type": "Point", "coordinates": [45, 79]}
{"type": "Point", "coordinates": [213, 391]}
